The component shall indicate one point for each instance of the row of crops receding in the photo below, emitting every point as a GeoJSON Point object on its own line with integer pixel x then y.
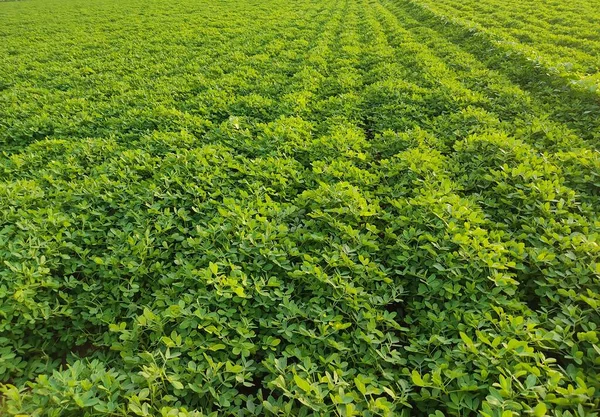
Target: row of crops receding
{"type": "Point", "coordinates": [345, 208]}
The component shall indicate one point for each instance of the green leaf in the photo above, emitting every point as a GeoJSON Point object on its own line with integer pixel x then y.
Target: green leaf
{"type": "Point", "coordinates": [467, 341]}
{"type": "Point", "coordinates": [217, 346]}
{"type": "Point", "coordinates": [302, 383]}
{"type": "Point", "coordinates": [417, 380]}
{"type": "Point", "coordinates": [177, 384]}
{"type": "Point", "coordinates": [360, 385]}
{"type": "Point", "coordinates": [540, 410]}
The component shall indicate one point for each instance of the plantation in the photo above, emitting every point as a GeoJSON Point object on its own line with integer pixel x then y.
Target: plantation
{"type": "Point", "coordinates": [318, 207]}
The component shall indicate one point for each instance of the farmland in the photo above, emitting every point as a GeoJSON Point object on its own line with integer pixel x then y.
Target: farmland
{"type": "Point", "coordinates": [318, 207]}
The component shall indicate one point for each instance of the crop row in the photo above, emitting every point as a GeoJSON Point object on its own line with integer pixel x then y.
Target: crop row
{"type": "Point", "coordinates": [562, 37]}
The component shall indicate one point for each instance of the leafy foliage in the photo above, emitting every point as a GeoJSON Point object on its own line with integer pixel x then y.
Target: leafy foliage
{"type": "Point", "coordinates": [355, 207]}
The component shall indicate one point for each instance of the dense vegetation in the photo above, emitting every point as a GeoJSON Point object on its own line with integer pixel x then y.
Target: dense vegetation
{"type": "Point", "coordinates": [561, 36]}
{"type": "Point", "coordinates": [345, 207]}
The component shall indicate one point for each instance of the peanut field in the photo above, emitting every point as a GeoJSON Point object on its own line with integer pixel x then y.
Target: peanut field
{"type": "Point", "coordinates": [299, 208]}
